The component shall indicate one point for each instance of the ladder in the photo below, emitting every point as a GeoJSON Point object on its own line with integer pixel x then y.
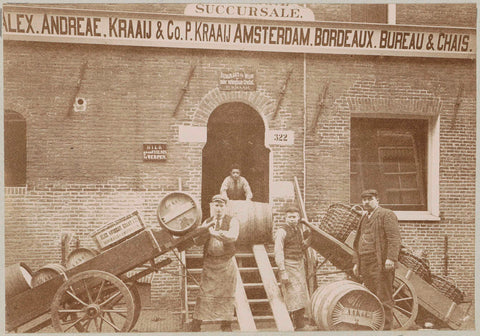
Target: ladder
{"type": "Point", "coordinates": [258, 298]}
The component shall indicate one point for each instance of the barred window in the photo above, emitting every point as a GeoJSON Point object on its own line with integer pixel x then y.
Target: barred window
{"type": "Point", "coordinates": [390, 155]}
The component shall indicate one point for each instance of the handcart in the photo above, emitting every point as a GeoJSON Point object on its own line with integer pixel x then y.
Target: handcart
{"type": "Point", "coordinates": [98, 295]}
{"type": "Point", "coordinates": [410, 290]}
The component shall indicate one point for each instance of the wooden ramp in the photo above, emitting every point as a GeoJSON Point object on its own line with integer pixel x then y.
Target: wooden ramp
{"type": "Point", "coordinates": [279, 309]}
{"type": "Point", "coordinates": [244, 313]}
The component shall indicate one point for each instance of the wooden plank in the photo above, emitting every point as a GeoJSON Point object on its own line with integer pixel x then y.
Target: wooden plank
{"type": "Point", "coordinates": [310, 258]}
{"type": "Point", "coordinates": [279, 309]}
{"type": "Point", "coordinates": [244, 313]}
{"type": "Point", "coordinates": [119, 259]}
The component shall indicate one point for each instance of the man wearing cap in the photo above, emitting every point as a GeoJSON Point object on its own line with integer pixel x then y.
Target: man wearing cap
{"type": "Point", "coordinates": [377, 245]}
{"type": "Point", "coordinates": [215, 301]}
{"type": "Point", "coordinates": [236, 187]}
{"type": "Point", "coordinates": [288, 250]}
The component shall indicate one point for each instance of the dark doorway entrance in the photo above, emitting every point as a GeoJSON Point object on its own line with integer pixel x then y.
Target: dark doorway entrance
{"type": "Point", "coordinates": [235, 134]}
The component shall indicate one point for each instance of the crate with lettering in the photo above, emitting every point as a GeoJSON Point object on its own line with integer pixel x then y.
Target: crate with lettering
{"type": "Point", "coordinates": [118, 230]}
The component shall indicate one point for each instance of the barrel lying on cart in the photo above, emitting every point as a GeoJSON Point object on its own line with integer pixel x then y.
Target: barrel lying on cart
{"type": "Point", "coordinates": [18, 278]}
{"type": "Point", "coordinates": [46, 273]}
{"type": "Point", "coordinates": [179, 213]}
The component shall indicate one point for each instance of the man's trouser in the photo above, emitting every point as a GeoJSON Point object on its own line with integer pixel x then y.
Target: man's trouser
{"type": "Point", "coordinates": [380, 282]}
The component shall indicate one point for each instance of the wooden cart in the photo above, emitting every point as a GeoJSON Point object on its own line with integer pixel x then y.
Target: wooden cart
{"type": "Point", "coordinates": [97, 295]}
{"type": "Point", "coordinates": [410, 290]}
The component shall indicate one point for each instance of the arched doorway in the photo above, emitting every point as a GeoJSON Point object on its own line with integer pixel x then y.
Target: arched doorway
{"type": "Point", "coordinates": [235, 134]}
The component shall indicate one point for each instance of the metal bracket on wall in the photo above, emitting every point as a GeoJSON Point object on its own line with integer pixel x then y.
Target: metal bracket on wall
{"type": "Point", "coordinates": [320, 107]}
{"type": "Point", "coordinates": [77, 87]}
{"type": "Point", "coordinates": [282, 93]}
{"type": "Point", "coordinates": [184, 88]}
{"type": "Point", "coordinates": [456, 106]}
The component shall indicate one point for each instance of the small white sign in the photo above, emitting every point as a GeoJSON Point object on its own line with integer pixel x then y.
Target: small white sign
{"type": "Point", "coordinates": [192, 134]}
{"type": "Point", "coordinates": [280, 137]}
{"type": "Point", "coordinates": [253, 11]}
{"type": "Point", "coordinates": [282, 189]}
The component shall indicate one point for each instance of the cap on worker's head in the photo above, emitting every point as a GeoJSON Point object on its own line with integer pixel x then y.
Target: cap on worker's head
{"type": "Point", "coordinates": [219, 198]}
{"type": "Point", "coordinates": [369, 193]}
{"type": "Point", "coordinates": [292, 208]}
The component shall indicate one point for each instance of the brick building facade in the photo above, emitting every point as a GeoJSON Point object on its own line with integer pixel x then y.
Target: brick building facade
{"type": "Point", "coordinates": [84, 169]}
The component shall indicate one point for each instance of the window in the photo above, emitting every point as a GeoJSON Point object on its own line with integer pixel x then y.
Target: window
{"type": "Point", "coordinates": [390, 155]}
{"type": "Point", "coordinates": [15, 146]}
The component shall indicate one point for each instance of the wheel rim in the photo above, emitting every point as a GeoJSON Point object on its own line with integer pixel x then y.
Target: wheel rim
{"type": "Point", "coordinates": [93, 301]}
{"type": "Point", "coordinates": [138, 304]}
{"type": "Point", "coordinates": [405, 307]}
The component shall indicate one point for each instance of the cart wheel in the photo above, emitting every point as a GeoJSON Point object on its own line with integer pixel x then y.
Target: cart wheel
{"type": "Point", "coordinates": [93, 301]}
{"type": "Point", "coordinates": [405, 307]}
{"type": "Point", "coordinates": [138, 304]}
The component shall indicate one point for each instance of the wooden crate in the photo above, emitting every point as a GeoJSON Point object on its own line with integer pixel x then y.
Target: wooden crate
{"type": "Point", "coordinates": [114, 232]}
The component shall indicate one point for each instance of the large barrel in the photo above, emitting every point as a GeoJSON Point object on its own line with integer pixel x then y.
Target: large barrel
{"type": "Point", "coordinates": [18, 278]}
{"type": "Point", "coordinates": [46, 273]}
{"type": "Point", "coordinates": [178, 212]}
{"type": "Point", "coordinates": [256, 222]}
{"type": "Point", "coordinates": [346, 305]}
{"type": "Point", "coordinates": [79, 256]}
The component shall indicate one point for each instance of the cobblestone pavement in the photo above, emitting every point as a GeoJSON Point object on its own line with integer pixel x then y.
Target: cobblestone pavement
{"type": "Point", "coordinates": [153, 320]}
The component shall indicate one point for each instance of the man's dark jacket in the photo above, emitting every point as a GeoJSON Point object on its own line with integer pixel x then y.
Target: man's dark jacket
{"type": "Point", "coordinates": [387, 236]}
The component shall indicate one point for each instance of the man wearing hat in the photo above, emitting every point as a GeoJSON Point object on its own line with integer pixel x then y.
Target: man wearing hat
{"type": "Point", "coordinates": [289, 249]}
{"type": "Point", "coordinates": [377, 245]}
{"type": "Point", "coordinates": [215, 301]}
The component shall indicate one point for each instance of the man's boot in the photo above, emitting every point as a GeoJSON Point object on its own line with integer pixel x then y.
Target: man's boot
{"type": "Point", "coordinates": [299, 319]}
{"type": "Point", "coordinates": [226, 326]}
{"type": "Point", "coordinates": [196, 325]}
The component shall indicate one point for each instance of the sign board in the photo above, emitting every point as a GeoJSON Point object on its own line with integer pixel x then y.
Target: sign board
{"type": "Point", "coordinates": [26, 23]}
{"type": "Point", "coordinates": [237, 81]}
{"type": "Point", "coordinates": [114, 232]}
{"type": "Point", "coordinates": [192, 134]}
{"type": "Point", "coordinates": [253, 11]}
{"type": "Point", "coordinates": [154, 152]}
{"type": "Point", "coordinates": [280, 137]}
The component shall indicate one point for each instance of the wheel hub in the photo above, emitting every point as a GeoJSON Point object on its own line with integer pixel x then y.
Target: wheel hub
{"type": "Point", "coordinates": [92, 310]}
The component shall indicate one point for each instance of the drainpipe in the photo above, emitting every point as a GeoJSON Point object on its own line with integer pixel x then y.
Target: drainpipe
{"type": "Point", "coordinates": [304, 126]}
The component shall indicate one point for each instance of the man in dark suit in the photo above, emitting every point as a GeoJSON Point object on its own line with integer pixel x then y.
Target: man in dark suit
{"type": "Point", "coordinates": [377, 245]}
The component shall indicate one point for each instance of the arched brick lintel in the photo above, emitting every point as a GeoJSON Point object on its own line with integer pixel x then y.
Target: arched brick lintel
{"type": "Point", "coordinates": [214, 98]}
{"type": "Point", "coordinates": [384, 98]}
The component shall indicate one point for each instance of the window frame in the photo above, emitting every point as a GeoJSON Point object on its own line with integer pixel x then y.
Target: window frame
{"type": "Point", "coordinates": [432, 162]}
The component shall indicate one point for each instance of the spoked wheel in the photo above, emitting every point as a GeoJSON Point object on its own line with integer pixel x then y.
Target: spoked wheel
{"type": "Point", "coordinates": [93, 301]}
{"type": "Point", "coordinates": [405, 307]}
{"type": "Point", "coordinates": [138, 304]}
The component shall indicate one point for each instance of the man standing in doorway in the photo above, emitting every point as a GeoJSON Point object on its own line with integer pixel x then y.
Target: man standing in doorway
{"type": "Point", "coordinates": [288, 250]}
{"type": "Point", "coordinates": [215, 301]}
{"type": "Point", "coordinates": [236, 187]}
{"type": "Point", "coordinates": [377, 245]}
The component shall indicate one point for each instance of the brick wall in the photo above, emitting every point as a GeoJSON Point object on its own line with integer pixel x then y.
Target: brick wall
{"type": "Point", "coordinates": [85, 168]}
{"type": "Point", "coordinates": [440, 14]}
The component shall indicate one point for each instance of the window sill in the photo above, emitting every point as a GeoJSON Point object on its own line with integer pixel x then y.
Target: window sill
{"type": "Point", "coordinates": [416, 216]}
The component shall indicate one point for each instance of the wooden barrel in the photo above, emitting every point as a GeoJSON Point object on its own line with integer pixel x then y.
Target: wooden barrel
{"type": "Point", "coordinates": [46, 273]}
{"type": "Point", "coordinates": [178, 212]}
{"type": "Point", "coordinates": [18, 278]}
{"type": "Point", "coordinates": [256, 222]}
{"type": "Point", "coordinates": [346, 305]}
{"type": "Point", "coordinates": [79, 256]}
